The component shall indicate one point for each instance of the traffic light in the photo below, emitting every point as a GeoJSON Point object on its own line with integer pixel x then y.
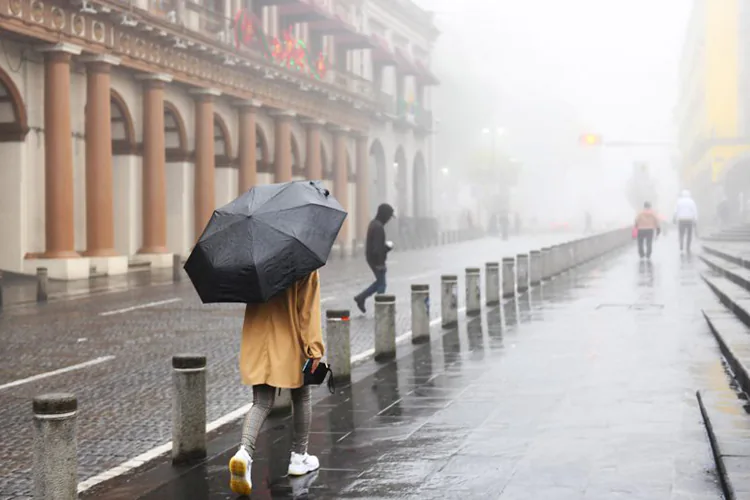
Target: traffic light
{"type": "Point", "coordinates": [590, 140]}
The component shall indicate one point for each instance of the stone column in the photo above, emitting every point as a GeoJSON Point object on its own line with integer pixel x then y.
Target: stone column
{"type": "Point", "coordinates": [341, 180]}
{"type": "Point", "coordinates": [363, 183]}
{"type": "Point", "coordinates": [100, 234]}
{"type": "Point", "coordinates": [248, 162]}
{"type": "Point", "coordinates": [205, 167]}
{"type": "Point", "coordinates": [282, 141]}
{"type": "Point", "coordinates": [154, 170]}
{"type": "Point", "coordinates": [313, 163]}
{"type": "Point", "coordinates": [59, 229]}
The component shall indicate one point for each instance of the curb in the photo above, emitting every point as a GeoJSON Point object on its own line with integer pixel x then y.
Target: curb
{"type": "Point", "coordinates": [726, 484]}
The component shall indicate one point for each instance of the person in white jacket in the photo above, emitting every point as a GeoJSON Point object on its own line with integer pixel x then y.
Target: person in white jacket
{"type": "Point", "coordinates": [686, 216]}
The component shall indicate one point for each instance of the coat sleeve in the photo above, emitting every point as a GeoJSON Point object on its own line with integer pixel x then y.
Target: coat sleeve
{"type": "Point", "coordinates": [308, 311]}
{"type": "Point", "coordinates": [378, 245]}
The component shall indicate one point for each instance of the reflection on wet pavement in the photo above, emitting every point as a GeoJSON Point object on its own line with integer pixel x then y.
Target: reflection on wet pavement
{"type": "Point", "coordinates": [547, 397]}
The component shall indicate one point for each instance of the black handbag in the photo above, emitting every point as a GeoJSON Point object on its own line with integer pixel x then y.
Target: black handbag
{"type": "Point", "coordinates": [319, 376]}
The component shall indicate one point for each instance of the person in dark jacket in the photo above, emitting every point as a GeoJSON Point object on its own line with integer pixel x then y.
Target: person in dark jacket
{"type": "Point", "coordinates": [376, 252]}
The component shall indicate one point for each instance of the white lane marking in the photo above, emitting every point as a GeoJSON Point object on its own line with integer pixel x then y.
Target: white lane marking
{"type": "Point", "coordinates": [235, 415]}
{"type": "Point", "coordinates": [141, 306]}
{"type": "Point", "coordinates": [327, 299]}
{"type": "Point", "coordinates": [102, 359]}
{"type": "Point", "coordinates": [420, 276]}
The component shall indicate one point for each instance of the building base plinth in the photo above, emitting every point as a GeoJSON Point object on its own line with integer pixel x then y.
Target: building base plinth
{"type": "Point", "coordinates": [60, 269]}
{"type": "Point", "coordinates": [111, 266]}
{"type": "Point", "coordinates": [156, 260]}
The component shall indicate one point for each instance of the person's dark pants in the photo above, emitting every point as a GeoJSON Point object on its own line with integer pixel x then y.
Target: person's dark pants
{"type": "Point", "coordinates": [378, 286]}
{"type": "Point", "coordinates": [645, 239]}
{"type": "Point", "coordinates": [686, 233]}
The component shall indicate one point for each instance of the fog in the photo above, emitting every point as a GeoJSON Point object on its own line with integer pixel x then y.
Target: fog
{"type": "Point", "coordinates": [545, 72]}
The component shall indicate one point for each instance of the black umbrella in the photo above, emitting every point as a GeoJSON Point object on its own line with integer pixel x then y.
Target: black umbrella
{"type": "Point", "coordinates": [264, 241]}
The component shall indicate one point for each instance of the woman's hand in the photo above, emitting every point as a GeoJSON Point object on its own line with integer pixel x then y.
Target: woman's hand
{"type": "Point", "coordinates": [315, 363]}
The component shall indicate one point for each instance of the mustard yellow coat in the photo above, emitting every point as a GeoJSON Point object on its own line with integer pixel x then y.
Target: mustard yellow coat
{"type": "Point", "coordinates": [281, 334]}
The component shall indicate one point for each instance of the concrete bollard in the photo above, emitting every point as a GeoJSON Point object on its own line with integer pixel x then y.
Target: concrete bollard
{"type": "Point", "coordinates": [473, 291]}
{"type": "Point", "coordinates": [420, 314]}
{"type": "Point", "coordinates": [522, 272]}
{"type": "Point", "coordinates": [55, 469]}
{"type": "Point", "coordinates": [42, 281]}
{"type": "Point", "coordinates": [535, 267]}
{"type": "Point", "coordinates": [546, 264]}
{"type": "Point", "coordinates": [492, 283]}
{"type": "Point", "coordinates": [385, 327]}
{"type": "Point", "coordinates": [176, 268]}
{"type": "Point", "coordinates": [188, 407]}
{"type": "Point", "coordinates": [338, 344]}
{"type": "Point", "coordinates": [449, 299]}
{"type": "Point", "coordinates": [509, 277]}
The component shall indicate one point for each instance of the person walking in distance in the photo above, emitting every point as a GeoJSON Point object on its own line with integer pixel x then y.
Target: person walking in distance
{"type": "Point", "coordinates": [376, 253]}
{"type": "Point", "coordinates": [647, 225]}
{"type": "Point", "coordinates": [279, 338]}
{"type": "Point", "coordinates": [686, 216]}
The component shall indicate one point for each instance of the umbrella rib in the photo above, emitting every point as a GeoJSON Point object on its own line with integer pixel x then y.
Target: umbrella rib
{"type": "Point", "coordinates": [274, 212]}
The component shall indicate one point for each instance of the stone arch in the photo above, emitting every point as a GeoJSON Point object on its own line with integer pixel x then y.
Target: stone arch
{"type": "Point", "coordinates": [123, 130]}
{"type": "Point", "coordinates": [378, 175]}
{"type": "Point", "coordinates": [420, 186]}
{"type": "Point", "coordinates": [262, 159]}
{"type": "Point", "coordinates": [298, 168]}
{"type": "Point", "coordinates": [222, 143]}
{"type": "Point", "coordinates": [326, 163]}
{"type": "Point", "coordinates": [401, 181]}
{"type": "Point", "coordinates": [13, 119]}
{"type": "Point", "coordinates": [175, 136]}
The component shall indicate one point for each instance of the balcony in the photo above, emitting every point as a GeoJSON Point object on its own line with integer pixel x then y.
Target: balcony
{"type": "Point", "coordinates": [412, 114]}
{"type": "Point", "coordinates": [386, 103]}
{"type": "Point", "coordinates": [351, 82]}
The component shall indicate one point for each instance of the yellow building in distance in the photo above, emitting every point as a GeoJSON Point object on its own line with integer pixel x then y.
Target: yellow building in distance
{"type": "Point", "coordinates": [713, 110]}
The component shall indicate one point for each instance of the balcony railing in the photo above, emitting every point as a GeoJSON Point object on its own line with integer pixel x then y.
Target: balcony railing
{"type": "Point", "coordinates": [387, 103]}
{"type": "Point", "coordinates": [414, 114]}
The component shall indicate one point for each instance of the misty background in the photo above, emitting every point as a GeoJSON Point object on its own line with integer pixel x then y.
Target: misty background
{"type": "Point", "coordinates": [545, 72]}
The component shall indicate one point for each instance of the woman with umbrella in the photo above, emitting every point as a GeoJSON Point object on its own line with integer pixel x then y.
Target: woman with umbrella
{"type": "Point", "coordinates": [278, 339]}
{"type": "Point", "coordinates": [264, 249]}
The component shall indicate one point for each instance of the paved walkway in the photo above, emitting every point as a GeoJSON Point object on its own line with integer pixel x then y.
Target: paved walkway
{"type": "Point", "coordinates": [122, 342]}
{"type": "Point", "coordinates": [583, 390]}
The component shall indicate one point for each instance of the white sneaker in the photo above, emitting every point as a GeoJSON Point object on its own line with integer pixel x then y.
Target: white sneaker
{"type": "Point", "coordinates": [239, 470]}
{"type": "Point", "coordinates": [299, 465]}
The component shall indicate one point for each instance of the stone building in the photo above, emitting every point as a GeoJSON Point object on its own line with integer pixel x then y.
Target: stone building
{"type": "Point", "coordinates": [125, 123]}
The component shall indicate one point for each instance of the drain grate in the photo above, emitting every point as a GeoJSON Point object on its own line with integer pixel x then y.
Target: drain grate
{"type": "Point", "coordinates": [633, 307]}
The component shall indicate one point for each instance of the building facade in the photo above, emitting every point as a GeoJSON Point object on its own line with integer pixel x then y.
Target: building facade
{"type": "Point", "coordinates": [713, 111]}
{"type": "Point", "coordinates": [125, 123]}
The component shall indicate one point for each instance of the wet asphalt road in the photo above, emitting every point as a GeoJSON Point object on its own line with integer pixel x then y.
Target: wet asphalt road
{"type": "Point", "coordinates": [128, 337]}
{"type": "Point", "coordinates": [583, 389]}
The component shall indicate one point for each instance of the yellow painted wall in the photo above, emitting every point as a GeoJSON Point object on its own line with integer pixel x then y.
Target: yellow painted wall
{"type": "Point", "coordinates": [722, 45]}
{"type": "Point", "coordinates": [721, 97]}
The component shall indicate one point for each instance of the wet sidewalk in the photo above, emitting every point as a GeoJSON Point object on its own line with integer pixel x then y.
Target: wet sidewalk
{"type": "Point", "coordinates": [583, 389]}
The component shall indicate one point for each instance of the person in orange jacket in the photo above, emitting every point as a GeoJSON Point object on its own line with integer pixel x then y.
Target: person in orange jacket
{"type": "Point", "coordinates": [647, 225]}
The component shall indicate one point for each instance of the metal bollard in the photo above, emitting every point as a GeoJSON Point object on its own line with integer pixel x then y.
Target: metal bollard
{"type": "Point", "coordinates": [522, 272]}
{"type": "Point", "coordinates": [385, 327]}
{"type": "Point", "coordinates": [42, 281]}
{"type": "Point", "coordinates": [188, 407]}
{"type": "Point", "coordinates": [338, 343]}
{"type": "Point", "coordinates": [473, 291]}
{"type": "Point", "coordinates": [176, 268]}
{"type": "Point", "coordinates": [535, 267]}
{"type": "Point", "coordinates": [55, 469]}
{"type": "Point", "coordinates": [449, 299]}
{"type": "Point", "coordinates": [509, 277]}
{"type": "Point", "coordinates": [420, 314]}
{"type": "Point", "coordinates": [492, 283]}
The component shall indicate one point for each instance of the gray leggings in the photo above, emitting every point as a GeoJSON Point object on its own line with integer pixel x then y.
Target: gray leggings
{"type": "Point", "coordinates": [263, 398]}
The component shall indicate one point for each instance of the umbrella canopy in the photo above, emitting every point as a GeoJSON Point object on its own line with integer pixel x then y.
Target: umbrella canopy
{"type": "Point", "coordinates": [264, 241]}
